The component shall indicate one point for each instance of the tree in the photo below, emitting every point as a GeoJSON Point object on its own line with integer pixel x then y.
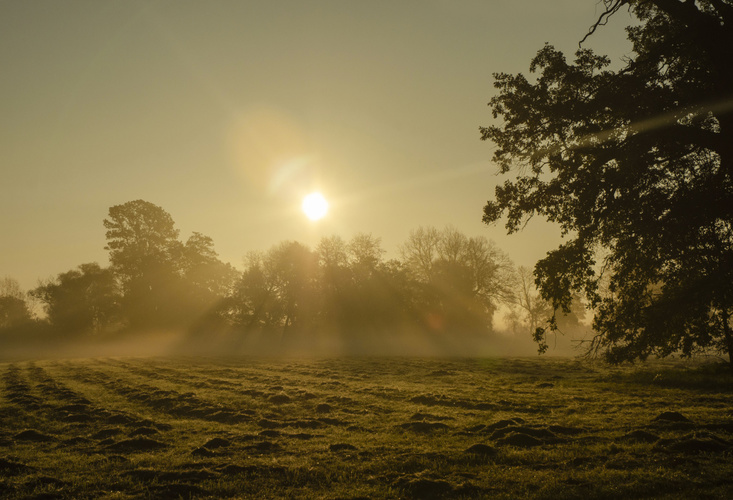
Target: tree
{"type": "Point", "coordinates": [14, 310]}
{"type": "Point", "coordinates": [361, 298]}
{"type": "Point", "coordinates": [144, 254]}
{"type": "Point", "coordinates": [208, 278]}
{"type": "Point", "coordinates": [420, 251]}
{"type": "Point", "coordinates": [277, 290]}
{"type": "Point", "coordinates": [204, 286]}
{"type": "Point", "coordinates": [365, 253]}
{"type": "Point", "coordinates": [334, 271]}
{"type": "Point", "coordinates": [463, 279]}
{"type": "Point", "coordinates": [83, 300]}
{"type": "Point", "coordinates": [254, 304]}
{"type": "Point", "coordinates": [529, 311]}
{"type": "Point", "coordinates": [140, 235]}
{"type": "Point", "coordinates": [332, 253]}
{"type": "Point", "coordinates": [294, 270]}
{"type": "Point", "coordinates": [335, 278]}
{"type": "Point", "coordinates": [9, 287]}
{"type": "Point", "coordinates": [373, 303]}
{"type": "Point", "coordinates": [533, 309]}
{"type": "Point", "coordinates": [636, 167]}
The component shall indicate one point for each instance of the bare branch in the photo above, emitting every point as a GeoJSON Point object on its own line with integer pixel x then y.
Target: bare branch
{"type": "Point", "coordinates": [612, 6]}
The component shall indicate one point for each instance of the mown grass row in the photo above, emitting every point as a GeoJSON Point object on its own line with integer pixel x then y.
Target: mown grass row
{"type": "Point", "coordinates": [350, 428]}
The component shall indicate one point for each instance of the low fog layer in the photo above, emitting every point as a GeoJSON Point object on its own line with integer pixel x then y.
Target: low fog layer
{"type": "Point", "coordinates": [234, 344]}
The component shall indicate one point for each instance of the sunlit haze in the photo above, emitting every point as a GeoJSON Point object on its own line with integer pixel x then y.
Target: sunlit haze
{"type": "Point", "coordinates": [225, 113]}
{"type": "Point", "coordinates": [357, 249]}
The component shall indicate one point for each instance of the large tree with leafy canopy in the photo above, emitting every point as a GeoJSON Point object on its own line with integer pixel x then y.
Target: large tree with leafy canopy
{"type": "Point", "coordinates": [144, 253]}
{"type": "Point", "coordinates": [636, 167]}
{"type": "Point", "coordinates": [165, 283]}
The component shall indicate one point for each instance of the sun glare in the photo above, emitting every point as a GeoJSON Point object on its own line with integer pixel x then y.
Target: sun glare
{"type": "Point", "coordinates": [315, 206]}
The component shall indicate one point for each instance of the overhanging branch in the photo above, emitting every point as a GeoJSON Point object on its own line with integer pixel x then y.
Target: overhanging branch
{"type": "Point", "coordinates": [612, 6]}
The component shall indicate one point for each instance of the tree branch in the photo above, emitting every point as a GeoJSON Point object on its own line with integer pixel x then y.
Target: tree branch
{"type": "Point", "coordinates": [612, 6]}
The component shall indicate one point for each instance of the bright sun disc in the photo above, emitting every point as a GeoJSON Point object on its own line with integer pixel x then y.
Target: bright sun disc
{"type": "Point", "coordinates": [315, 206]}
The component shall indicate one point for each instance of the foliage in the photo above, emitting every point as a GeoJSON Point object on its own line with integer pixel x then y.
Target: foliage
{"type": "Point", "coordinates": [16, 316]}
{"type": "Point", "coordinates": [340, 288]}
{"type": "Point", "coordinates": [140, 236]}
{"type": "Point", "coordinates": [83, 300]}
{"type": "Point", "coordinates": [277, 289]}
{"type": "Point", "coordinates": [635, 165]}
{"type": "Point", "coordinates": [346, 289]}
{"type": "Point", "coordinates": [9, 287]}
{"type": "Point", "coordinates": [292, 268]}
{"type": "Point", "coordinates": [14, 312]}
{"type": "Point", "coordinates": [462, 280]}
{"type": "Point", "coordinates": [342, 292]}
{"type": "Point", "coordinates": [204, 283]}
{"type": "Point", "coordinates": [202, 268]}
{"type": "Point", "coordinates": [143, 249]}
{"type": "Point", "coordinates": [164, 282]}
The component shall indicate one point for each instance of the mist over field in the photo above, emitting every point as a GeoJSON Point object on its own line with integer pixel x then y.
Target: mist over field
{"type": "Point", "coordinates": [161, 295]}
{"type": "Point", "coordinates": [231, 345]}
{"type": "Point", "coordinates": [286, 250]}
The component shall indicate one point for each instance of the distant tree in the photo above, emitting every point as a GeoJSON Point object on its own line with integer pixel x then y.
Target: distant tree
{"type": "Point", "coordinates": [335, 280]}
{"type": "Point", "coordinates": [490, 271]}
{"type": "Point", "coordinates": [294, 270]}
{"type": "Point", "coordinates": [277, 291]}
{"type": "Point", "coordinates": [145, 255]}
{"type": "Point", "coordinates": [14, 310]}
{"type": "Point", "coordinates": [140, 236]}
{"type": "Point", "coordinates": [332, 253]}
{"type": "Point", "coordinates": [373, 299]}
{"type": "Point", "coordinates": [420, 252]}
{"type": "Point", "coordinates": [205, 287]}
{"type": "Point", "coordinates": [533, 309]}
{"type": "Point", "coordinates": [360, 295]}
{"type": "Point", "coordinates": [365, 254]}
{"type": "Point", "coordinates": [528, 311]}
{"type": "Point", "coordinates": [10, 287]}
{"type": "Point", "coordinates": [637, 164]}
{"type": "Point", "coordinates": [333, 263]}
{"type": "Point", "coordinates": [209, 278]}
{"type": "Point", "coordinates": [254, 304]}
{"type": "Point", "coordinates": [463, 279]}
{"type": "Point", "coordinates": [83, 300]}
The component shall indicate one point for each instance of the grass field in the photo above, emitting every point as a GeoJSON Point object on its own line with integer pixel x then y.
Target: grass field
{"type": "Point", "coordinates": [363, 428]}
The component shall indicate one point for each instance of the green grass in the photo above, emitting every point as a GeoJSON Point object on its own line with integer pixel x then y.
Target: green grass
{"type": "Point", "coordinates": [363, 428]}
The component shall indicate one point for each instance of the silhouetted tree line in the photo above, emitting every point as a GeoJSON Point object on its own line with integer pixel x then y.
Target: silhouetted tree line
{"type": "Point", "coordinates": [443, 282]}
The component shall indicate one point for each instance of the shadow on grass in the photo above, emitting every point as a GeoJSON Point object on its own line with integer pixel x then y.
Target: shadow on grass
{"type": "Point", "coordinates": [707, 377]}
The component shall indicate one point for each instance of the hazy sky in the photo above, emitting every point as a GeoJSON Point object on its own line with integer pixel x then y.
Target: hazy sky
{"type": "Point", "coordinates": [225, 113]}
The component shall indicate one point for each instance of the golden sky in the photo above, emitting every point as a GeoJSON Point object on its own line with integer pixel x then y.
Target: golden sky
{"type": "Point", "coordinates": [226, 113]}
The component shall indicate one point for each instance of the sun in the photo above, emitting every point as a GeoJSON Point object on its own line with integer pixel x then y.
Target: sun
{"type": "Point", "coordinates": [315, 206]}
